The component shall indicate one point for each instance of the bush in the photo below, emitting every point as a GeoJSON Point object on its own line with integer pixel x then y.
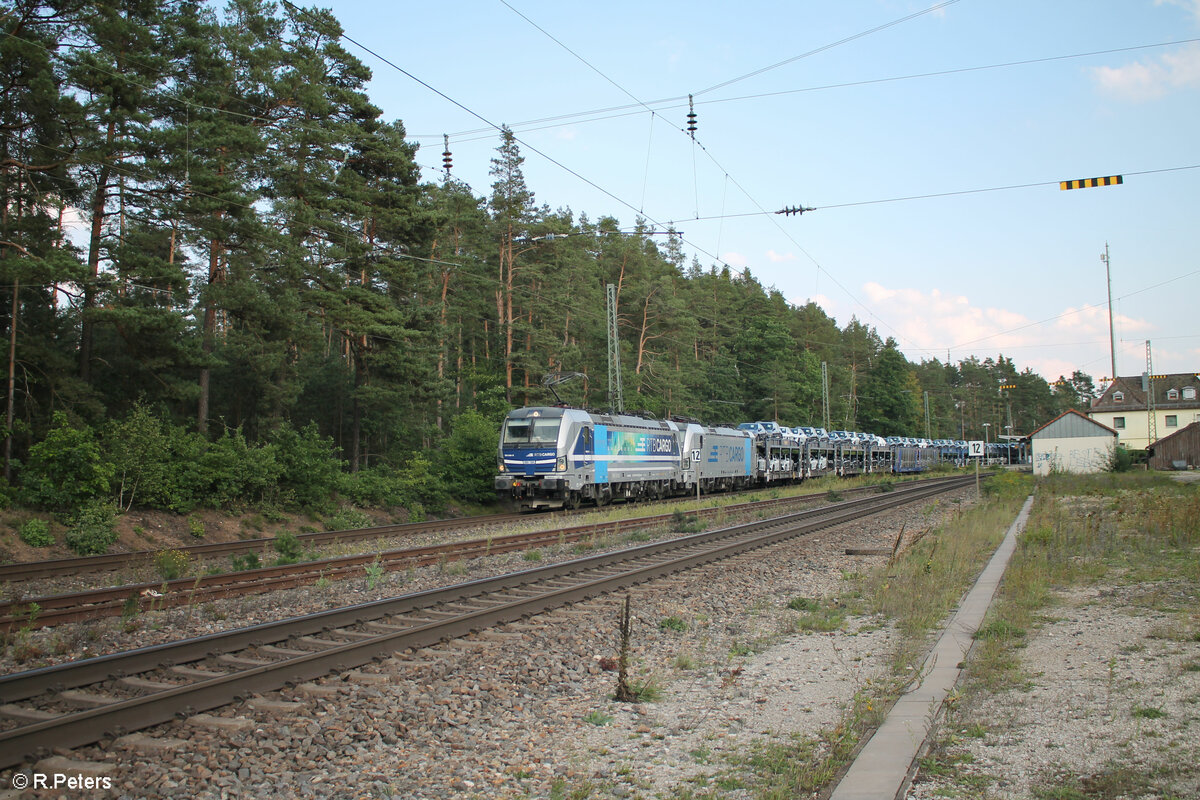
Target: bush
{"type": "Point", "coordinates": [468, 461]}
{"type": "Point", "coordinates": [245, 562]}
{"type": "Point", "coordinates": [288, 546]}
{"type": "Point", "coordinates": [66, 469]}
{"type": "Point", "coordinates": [348, 519]}
{"type": "Point", "coordinates": [92, 531]}
{"type": "Point", "coordinates": [1119, 460]}
{"type": "Point", "coordinates": [36, 533]}
{"type": "Point", "coordinates": [237, 472]}
{"type": "Point", "coordinates": [1008, 485]}
{"type": "Point", "coordinates": [196, 527]}
{"type": "Point", "coordinates": [309, 471]}
{"type": "Point", "coordinates": [137, 447]}
{"type": "Point", "coordinates": [415, 486]}
{"type": "Point", "coordinates": [172, 564]}
{"type": "Point", "coordinates": [156, 464]}
{"type": "Point", "coordinates": [375, 486]}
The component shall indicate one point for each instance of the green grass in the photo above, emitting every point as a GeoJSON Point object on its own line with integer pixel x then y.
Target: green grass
{"type": "Point", "coordinates": [803, 604]}
{"type": "Point", "coordinates": [925, 583]}
{"type": "Point", "coordinates": [684, 661]}
{"type": "Point", "coordinates": [1148, 712]}
{"type": "Point", "coordinates": [797, 766]}
{"type": "Point", "coordinates": [822, 621]}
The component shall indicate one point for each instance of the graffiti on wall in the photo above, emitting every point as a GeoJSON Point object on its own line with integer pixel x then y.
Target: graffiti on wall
{"type": "Point", "coordinates": [1083, 459]}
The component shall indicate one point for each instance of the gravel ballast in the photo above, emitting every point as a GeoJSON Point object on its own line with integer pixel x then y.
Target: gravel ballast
{"type": "Point", "coordinates": [527, 708]}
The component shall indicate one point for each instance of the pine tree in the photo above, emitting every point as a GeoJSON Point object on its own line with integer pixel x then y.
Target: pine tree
{"type": "Point", "coordinates": [512, 216]}
{"type": "Point", "coordinates": [36, 186]}
{"type": "Point", "coordinates": [120, 69]}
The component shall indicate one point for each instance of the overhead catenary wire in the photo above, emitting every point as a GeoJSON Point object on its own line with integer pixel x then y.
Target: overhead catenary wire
{"type": "Point", "coordinates": [690, 131]}
{"type": "Point", "coordinates": [829, 46]}
{"type": "Point", "coordinates": [691, 128]}
{"type": "Point", "coordinates": [679, 102]}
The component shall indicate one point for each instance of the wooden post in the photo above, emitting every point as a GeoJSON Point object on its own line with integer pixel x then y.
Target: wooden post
{"type": "Point", "coordinates": [624, 693]}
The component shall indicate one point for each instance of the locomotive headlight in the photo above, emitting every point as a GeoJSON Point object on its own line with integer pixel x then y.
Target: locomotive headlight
{"type": "Point", "coordinates": [501, 466]}
{"type": "Point", "coordinates": [561, 466]}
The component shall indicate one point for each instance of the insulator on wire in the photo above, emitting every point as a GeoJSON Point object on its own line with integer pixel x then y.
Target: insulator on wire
{"type": "Point", "coordinates": [447, 161]}
{"type": "Point", "coordinates": [691, 126]}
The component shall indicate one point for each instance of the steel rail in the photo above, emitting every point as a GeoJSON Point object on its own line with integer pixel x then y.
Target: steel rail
{"type": "Point", "coordinates": [505, 604]}
{"type": "Point", "coordinates": [113, 561]}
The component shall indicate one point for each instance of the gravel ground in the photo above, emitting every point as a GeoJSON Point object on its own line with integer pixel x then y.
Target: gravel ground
{"type": "Point", "coordinates": [74, 641]}
{"type": "Point", "coordinates": [1113, 693]}
{"type": "Point", "coordinates": [527, 708]}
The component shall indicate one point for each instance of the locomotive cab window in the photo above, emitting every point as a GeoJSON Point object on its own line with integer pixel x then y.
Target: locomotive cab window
{"type": "Point", "coordinates": [531, 431]}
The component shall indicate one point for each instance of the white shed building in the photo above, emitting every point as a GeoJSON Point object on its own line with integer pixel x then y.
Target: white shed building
{"type": "Point", "coordinates": [1071, 443]}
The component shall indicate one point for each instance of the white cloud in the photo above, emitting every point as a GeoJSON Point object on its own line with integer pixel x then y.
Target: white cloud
{"type": "Point", "coordinates": [826, 303]}
{"type": "Point", "coordinates": [76, 230]}
{"type": "Point", "coordinates": [777, 258]}
{"type": "Point", "coordinates": [735, 260]}
{"type": "Point", "coordinates": [1093, 320]}
{"type": "Point", "coordinates": [1153, 78]}
{"type": "Point", "coordinates": [1188, 5]}
{"type": "Point", "coordinates": [930, 321]}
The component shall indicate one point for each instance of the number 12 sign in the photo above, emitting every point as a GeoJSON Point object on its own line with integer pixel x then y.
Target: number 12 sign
{"type": "Point", "coordinates": [976, 448]}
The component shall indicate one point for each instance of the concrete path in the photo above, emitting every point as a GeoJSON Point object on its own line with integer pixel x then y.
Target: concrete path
{"type": "Point", "coordinates": [881, 770]}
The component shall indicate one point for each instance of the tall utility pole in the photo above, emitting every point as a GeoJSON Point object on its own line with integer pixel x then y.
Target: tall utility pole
{"type": "Point", "coordinates": [1112, 336]}
{"type": "Point", "coordinates": [616, 399]}
{"type": "Point", "coordinates": [825, 395]}
{"type": "Point", "coordinates": [1151, 422]}
{"type": "Point", "coordinates": [852, 409]}
{"type": "Point", "coordinates": [927, 415]}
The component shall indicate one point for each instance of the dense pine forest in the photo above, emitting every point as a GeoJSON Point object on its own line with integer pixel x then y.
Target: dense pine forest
{"type": "Point", "coordinates": [224, 282]}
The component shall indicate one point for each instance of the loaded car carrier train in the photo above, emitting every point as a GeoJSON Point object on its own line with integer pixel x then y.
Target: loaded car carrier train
{"type": "Point", "coordinates": [559, 457]}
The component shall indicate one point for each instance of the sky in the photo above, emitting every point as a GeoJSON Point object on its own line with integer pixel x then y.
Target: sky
{"type": "Point", "coordinates": [928, 137]}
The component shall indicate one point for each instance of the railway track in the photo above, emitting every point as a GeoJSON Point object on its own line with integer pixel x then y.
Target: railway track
{"type": "Point", "coordinates": [129, 599]}
{"type": "Point", "coordinates": [75, 704]}
{"type": "Point", "coordinates": [115, 561]}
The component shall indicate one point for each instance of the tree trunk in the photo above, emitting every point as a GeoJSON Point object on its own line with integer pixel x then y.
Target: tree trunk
{"type": "Point", "coordinates": [356, 420]}
{"type": "Point", "coordinates": [441, 362]}
{"type": "Point", "coordinates": [12, 379]}
{"type": "Point", "coordinates": [208, 335]}
{"type": "Point", "coordinates": [99, 201]}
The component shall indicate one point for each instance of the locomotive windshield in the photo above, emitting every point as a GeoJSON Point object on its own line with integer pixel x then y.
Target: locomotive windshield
{"type": "Point", "coordinates": [531, 431]}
